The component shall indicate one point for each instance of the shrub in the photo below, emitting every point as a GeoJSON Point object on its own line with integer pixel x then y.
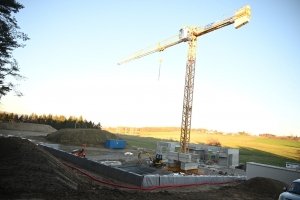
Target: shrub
{"type": "Point", "coordinates": [213, 142]}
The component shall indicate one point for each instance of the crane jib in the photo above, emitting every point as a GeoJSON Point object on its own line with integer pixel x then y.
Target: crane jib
{"type": "Point", "coordinates": [209, 25]}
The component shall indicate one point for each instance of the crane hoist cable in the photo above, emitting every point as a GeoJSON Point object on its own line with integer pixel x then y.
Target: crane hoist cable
{"type": "Point", "coordinates": [160, 60]}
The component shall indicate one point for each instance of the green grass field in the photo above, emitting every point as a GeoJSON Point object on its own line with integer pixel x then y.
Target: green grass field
{"type": "Point", "coordinates": [252, 148]}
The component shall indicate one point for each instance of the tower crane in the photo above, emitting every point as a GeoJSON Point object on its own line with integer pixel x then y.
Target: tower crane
{"type": "Point", "coordinates": [190, 34]}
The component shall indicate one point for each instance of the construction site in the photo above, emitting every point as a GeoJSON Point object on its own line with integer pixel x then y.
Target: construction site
{"type": "Point", "coordinates": [38, 162]}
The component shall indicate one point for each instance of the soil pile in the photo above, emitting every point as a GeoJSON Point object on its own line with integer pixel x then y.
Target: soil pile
{"type": "Point", "coordinates": [90, 137]}
{"type": "Point", "coordinates": [265, 186]}
{"type": "Point", "coordinates": [27, 127]}
{"type": "Point", "coordinates": [27, 170]}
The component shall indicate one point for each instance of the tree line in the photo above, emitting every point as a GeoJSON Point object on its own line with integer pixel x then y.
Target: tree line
{"type": "Point", "coordinates": [56, 121]}
{"type": "Point", "coordinates": [272, 136]}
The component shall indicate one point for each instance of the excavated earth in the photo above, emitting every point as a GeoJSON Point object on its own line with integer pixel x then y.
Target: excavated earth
{"type": "Point", "coordinates": [29, 172]}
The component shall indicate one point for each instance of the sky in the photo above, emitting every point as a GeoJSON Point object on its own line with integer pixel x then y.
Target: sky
{"type": "Point", "coordinates": [246, 79]}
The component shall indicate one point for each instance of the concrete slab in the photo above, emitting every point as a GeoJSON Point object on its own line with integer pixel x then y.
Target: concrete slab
{"type": "Point", "coordinates": [111, 163]}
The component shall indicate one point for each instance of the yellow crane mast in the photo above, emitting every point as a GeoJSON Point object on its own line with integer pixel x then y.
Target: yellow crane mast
{"type": "Point", "coordinates": [189, 34]}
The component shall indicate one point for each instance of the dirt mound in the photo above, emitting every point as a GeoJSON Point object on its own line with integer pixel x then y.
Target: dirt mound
{"type": "Point", "coordinates": [265, 186]}
{"type": "Point", "coordinates": [27, 170]}
{"type": "Point", "coordinates": [90, 137]}
{"type": "Point", "coordinates": [27, 127]}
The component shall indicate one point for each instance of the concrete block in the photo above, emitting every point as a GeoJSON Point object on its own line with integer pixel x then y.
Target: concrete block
{"type": "Point", "coordinates": [188, 166]}
{"type": "Point", "coordinates": [182, 157]}
{"type": "Point", "coordinates": [164, 147]}
{"type": "Point", "coordinates": [173, 163]}
{"type": "Point", "coordinates": [172, 153]}
{"type": "Point", "coordinates": [195, 158]}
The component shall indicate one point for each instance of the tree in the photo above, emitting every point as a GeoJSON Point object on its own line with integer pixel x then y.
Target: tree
{"type": "Point", "coordinates": [98, 126]}
{"type": "Point", "coordinates": [213, 142]}
{"type": "Point", "coordinates": [10, 37]}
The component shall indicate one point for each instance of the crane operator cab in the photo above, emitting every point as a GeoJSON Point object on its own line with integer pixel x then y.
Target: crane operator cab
{"type": "Point", "coordinates": [184, 33]}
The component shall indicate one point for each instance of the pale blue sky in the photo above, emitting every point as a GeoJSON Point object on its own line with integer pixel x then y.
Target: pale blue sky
{"type": "Point", "coordinates": [246, 79]}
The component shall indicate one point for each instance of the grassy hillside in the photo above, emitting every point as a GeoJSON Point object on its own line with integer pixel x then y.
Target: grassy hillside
{"type": "Point", "coordinates": [252, 148]}
{"type": "Point", "coordinates": [27, 127]}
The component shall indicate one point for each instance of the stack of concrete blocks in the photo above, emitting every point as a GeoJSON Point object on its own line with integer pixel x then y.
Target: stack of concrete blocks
{"type": "Point", "coordinates": [164, 147]}
{"type": "Point", "coordinates": [187, 161]}
{"type": "Point", "coordinates": [167, 150]}
{"type": "Point", "coordinates": [225, 156]}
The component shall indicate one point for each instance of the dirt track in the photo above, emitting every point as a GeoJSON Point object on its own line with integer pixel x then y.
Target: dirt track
{"type": "Point", "coordinates": [28, 172]}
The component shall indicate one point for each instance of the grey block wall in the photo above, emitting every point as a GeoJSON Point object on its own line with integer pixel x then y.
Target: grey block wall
{"type": "Point", "coordinates": [273, 172]}
{"type": "Point", "coordinates": [171, 180]}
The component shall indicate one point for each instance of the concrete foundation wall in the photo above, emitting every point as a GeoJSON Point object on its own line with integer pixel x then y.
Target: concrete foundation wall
{"type": "Point", "coordinates": [113, 172]}
{"type": "Point", "coordinates": [273, 172]}
{"type": "Point", "coordinates": [54, 146]}
{"type": "Point", "coordinates": [171, 180]}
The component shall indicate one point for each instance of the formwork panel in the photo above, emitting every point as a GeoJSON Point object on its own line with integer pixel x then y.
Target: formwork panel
{"type": "Point", "coordinates": [151, 181]}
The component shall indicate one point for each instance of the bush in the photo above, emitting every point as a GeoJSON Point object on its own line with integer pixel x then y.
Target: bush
{"type": "Point", "coordinates": [213, 142]}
